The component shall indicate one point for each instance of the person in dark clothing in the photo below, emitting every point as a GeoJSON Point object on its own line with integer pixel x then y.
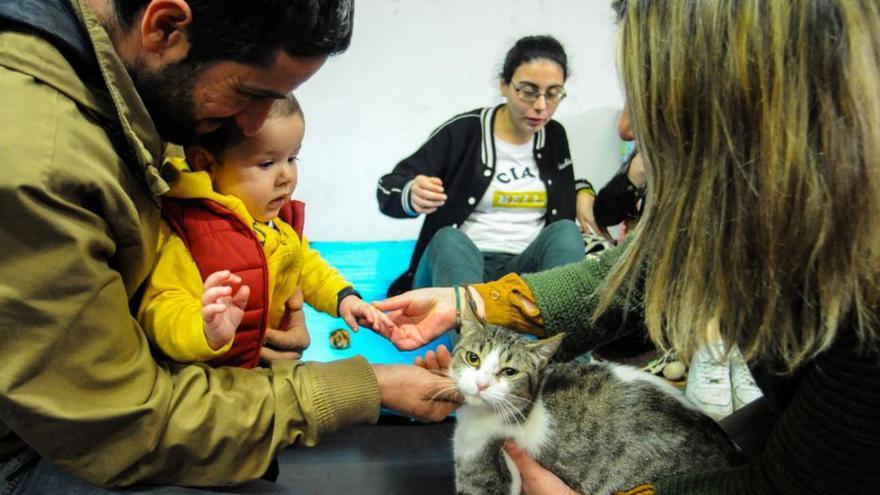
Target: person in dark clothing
{"type": "Point", "coordinates": [496, 184]}
{"type": "Point", "coordinates": [621, 199]}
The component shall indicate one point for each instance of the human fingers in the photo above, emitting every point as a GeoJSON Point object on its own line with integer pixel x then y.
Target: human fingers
{"type": "Point", "coordinates": [368, 313]}
{"type": "Point", "coordinates": [267, 355]}
{"type": "Point", "coordinates": [419, 361]}
{"type": "Point", "coordinates": [431, 361]}
{"type": "Point", "coordinates": [416, 392]}
{"type": "Point", "coordinates": [429, 195]}
{"type": "Point", "coordinates": [536, 479]}
{"type": "Point", "coordinates": [221, 277]}
{"type": "Point", "coordinates": [211, 311]}
{"type": "Point", "coordinates": [396, 304]}
{"type": "Point", "coordinates": [285, 340]}
{"type": "Point", "coordinates": [241, 297]}
{"type": "Point", "coordinates": [387, 330]}
{"type": "Point", "coordinates": [378, 321]}
{"type": "Point", "coordinates": [214, 294]}
{"type": "Point", "coordinates": [429, 183]}
{"type": "Point", "coordinates": [444, 357]}
{"type": "Point", "coordinates": [420, 202]}
{"type": "Point", "coordinates": [380, 316]}
{"type": "Point", "coordinates": [295, 303]}
{"type": "Point", "coordinates": [351, 321]}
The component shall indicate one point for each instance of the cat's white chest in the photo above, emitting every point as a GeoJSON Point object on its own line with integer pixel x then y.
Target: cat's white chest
{"type": "Point", "coordinates": [476, 427]}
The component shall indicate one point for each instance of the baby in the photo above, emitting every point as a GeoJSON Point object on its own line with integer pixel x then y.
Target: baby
{"type": "Point", "coordinates": [231, 251]}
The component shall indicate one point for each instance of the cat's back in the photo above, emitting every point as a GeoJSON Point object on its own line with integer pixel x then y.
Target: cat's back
{"type": "Point", "coordinates": [616, 424]}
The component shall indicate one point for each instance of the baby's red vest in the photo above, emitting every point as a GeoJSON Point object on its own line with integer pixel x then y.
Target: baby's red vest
{"type": "Point", "coordinates": [218, 240]}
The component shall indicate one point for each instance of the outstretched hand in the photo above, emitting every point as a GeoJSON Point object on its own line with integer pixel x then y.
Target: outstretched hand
{"type": "Point", "coordinates": [222, 310]}
{"type": "Point", "coordinates": [418, 316]}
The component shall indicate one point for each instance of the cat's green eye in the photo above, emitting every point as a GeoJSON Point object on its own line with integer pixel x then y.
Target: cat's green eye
{"type": "Point", "coordinates": [508, 372]}
{"type": "Point", "coordinates": [472, 359]}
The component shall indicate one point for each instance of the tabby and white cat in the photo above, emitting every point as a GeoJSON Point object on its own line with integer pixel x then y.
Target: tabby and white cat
{"type": "Point", "coordinates": [599, 427]}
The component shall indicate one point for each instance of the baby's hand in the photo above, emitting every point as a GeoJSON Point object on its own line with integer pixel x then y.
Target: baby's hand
{"type": "Point", "coordinates": [221, 311]}
{"type": "Point", "coordinates": [355, 311]}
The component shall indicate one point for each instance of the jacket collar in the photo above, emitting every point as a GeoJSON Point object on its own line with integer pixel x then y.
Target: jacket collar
{"type": "Point", "coordinates": [487, 124]}
{"type": "Point", "coordinates": [136, 123]}
{"type": "Point", "coordinates": [105, 87]}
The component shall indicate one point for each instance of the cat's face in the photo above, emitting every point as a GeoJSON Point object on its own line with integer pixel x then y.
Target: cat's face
{"type": "Point", "coordinates": [496, 368]}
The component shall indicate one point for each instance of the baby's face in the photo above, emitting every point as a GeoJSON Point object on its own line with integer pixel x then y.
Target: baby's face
{"type": "Point", "coordinates": [261, 170]}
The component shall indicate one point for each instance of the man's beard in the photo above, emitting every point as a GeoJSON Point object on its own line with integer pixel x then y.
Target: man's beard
{"type": "Point", "coordinates": [168, 97]}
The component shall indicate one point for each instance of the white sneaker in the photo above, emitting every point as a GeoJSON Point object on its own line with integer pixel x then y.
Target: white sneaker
{"type": "Point", "coordinates": [745, 390]}
{"type": "Point", "coordinates": [708, 385]}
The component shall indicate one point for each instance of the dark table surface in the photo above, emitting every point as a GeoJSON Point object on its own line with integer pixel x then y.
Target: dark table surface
{"type": "Point", "coordinates": [396, 456]}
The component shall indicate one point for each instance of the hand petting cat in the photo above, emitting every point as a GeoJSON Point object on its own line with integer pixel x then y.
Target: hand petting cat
{"type": "Point", "coordinates": [416, 393]}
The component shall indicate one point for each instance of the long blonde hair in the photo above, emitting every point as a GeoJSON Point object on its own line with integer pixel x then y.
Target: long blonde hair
{"type": "Point", "coordinates": [759, 124]}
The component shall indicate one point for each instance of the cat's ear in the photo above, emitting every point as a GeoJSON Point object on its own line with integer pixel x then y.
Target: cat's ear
{"type": "Point", "coordinates": [470, 325]}
{"type": "Point", "coordinates": [546, 348]}
{"type": "Point", "coordinates": [470, 322]}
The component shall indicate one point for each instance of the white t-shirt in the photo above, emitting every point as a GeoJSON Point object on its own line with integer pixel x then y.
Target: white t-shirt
{"type": "Point", "coordinates": [510, 215]}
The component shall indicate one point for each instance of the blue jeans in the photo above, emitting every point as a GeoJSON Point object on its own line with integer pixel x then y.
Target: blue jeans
{"type": "Point", "coordinates": [452, 258]}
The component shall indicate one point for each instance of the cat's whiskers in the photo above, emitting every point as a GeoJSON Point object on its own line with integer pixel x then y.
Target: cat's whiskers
{"type": "Point", "coordinates": [511, 415]}
{"type": "Point", "coordinates": [443, 394]}
{"type": "Point", "coordinates": [519, 410]}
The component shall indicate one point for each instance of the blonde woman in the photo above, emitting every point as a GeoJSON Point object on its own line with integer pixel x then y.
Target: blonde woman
{"type": "Point", "coordinates": [759, 123]}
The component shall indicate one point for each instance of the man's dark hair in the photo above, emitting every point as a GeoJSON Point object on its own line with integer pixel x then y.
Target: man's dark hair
{"type": "Point", "coordinates": [252, 31]}
{"type": "Point", "coordinates": [228, 136]}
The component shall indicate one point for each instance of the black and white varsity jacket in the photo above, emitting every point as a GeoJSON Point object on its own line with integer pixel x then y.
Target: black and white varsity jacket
{"type": "Point", "coordinates": [461, 152]}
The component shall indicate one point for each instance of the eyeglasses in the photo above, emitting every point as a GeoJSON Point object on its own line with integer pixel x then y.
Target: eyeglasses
{"type": "Point", "coordinates": [530, 93]}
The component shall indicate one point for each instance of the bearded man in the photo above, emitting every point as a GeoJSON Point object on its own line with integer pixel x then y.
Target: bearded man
{"type": "Point", "coordinates": [91, 92]}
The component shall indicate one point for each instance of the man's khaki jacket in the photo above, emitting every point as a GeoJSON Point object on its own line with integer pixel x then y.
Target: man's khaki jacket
{"type": "Point", "coordinates": [78, 229]}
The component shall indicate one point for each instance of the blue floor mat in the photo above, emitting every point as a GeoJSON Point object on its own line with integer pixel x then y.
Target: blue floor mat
{"type": "Point", "coordinates": [371, 267]}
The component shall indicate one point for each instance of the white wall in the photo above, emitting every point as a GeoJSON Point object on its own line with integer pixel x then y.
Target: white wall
{"type": "Point", "coordinates": [413, 64]}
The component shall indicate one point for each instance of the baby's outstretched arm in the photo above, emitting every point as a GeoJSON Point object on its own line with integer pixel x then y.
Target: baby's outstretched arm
{"type": "Point", "coordinates": [221, 310]}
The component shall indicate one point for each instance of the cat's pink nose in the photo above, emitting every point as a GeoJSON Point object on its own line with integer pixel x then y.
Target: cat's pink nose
{"type": "Point", "coordinates": [482, 386]}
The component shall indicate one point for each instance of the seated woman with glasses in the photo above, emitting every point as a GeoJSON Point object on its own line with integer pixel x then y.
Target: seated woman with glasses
{"type": "Point", "coordinates": [496, 184]}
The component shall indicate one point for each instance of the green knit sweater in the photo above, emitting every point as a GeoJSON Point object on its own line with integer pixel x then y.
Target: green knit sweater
{"type": "Point", "coordinates": [826, 438]}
